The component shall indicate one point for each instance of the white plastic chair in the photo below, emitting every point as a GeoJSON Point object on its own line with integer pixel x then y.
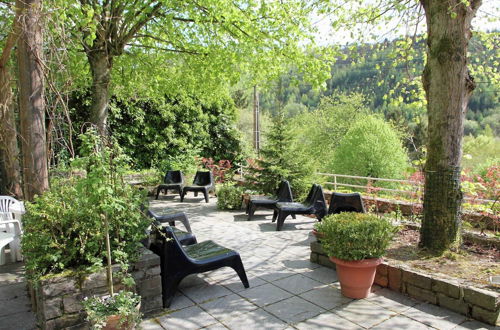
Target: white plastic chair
{"type": "Point", "coordinates": [11, 211]}
{"type": "Point", "coordinates": [7, 238]}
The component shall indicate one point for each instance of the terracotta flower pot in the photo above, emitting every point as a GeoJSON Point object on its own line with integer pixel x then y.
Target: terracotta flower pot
{"type": "Point", "coordinates": [356, 277]}
{"type": "Point", "coordinates": [113, 322]}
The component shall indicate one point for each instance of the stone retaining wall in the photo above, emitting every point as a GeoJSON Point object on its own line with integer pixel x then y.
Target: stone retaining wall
{"type": "Point", "coordinates": [58, 299]}
{"type": "Point", "coordinates": [479, 304]}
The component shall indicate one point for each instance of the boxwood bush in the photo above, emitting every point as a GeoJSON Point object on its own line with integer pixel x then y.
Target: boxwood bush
{"type": "Point", "coordinates": [355, 236]}
{"type": "Point", "coordinates": [64, 228]}
{"type": "Point", "coordinates": [229, 197]}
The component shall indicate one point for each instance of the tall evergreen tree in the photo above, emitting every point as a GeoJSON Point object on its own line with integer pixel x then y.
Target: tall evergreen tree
{"type": "Point", "coordinates": [280, 161]}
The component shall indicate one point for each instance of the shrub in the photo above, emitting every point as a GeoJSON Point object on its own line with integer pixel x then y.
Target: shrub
{"type": "Point", "coordinates": [355, 236]}
{"type": "Point", "coordinates": [320, 131]}
{"type": "Point", "coordinates": [221, 169]}
{"type": "Point", "coordinates": [229, 197]}
{"type": "Point", "coordinates": [370, 148]}
{"type": "Point", "coordinates": [63, 228]}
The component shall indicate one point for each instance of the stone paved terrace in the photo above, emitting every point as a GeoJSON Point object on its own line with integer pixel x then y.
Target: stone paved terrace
{"type": "Point", "coordinates": [286, 290]}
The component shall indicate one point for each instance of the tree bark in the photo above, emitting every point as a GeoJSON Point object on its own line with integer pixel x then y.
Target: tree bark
{"type": "Point", "coordinates": [100, 65]}
{"type": "Point", "coordinates": [31, 98]}
{"type": "Point", "coordinates": [448, 86]}
{"type": "Point", "coordinates": [9, 149]}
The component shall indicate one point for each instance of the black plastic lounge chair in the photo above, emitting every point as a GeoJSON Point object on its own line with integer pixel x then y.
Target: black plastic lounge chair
{"type": "Point", "coordinates": [179, 261]}
{"type": "Point", "coordinates": [314, 204]}
{"type": "Point", "coordinates": [203, 182]}
{"type": "Point", "coordinates": [170, 216]}
{"type": "Point", "coordinates": [284, 194]}
{"type": "Point", "coordinates": [174, 180]}
{"type": "Point", "coordinates": [340, 202]}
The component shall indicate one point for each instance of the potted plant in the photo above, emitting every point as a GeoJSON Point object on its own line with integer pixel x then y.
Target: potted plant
{"type": "Point", "coordinates": [120, 311]}
{"type": "Point", "coordinates": [355, 242]}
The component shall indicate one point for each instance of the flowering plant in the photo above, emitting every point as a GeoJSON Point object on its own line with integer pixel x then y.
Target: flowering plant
{"type": "Point", "coordinates": [123, 304]}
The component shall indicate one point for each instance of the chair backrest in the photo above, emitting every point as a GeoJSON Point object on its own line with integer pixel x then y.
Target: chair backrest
{"type": "Point", "coordinates": [5, 204]}
{"type": "Point", "coordinates": [309, 198]}
{"type": "Point", "coordinates": [174, 177]}
{"type": "Point", "coordinates": [318, 199]}
{"type": "Point", "coordinates": [173, 249]}
{"type": "Point", "coordinates": [203, 178]}
{"type": "Point", "coordinates": [284, 192]}
{"type": "Point", "coordinates": [340, 202]}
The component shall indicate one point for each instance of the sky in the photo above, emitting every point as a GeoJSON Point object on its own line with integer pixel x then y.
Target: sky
{"type": "Point", "coordinates": [487, 19]}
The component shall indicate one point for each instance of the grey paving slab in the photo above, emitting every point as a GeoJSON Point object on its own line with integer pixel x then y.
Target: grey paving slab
{"type": "Point", "coordinates": [217, 326]}
{"type": "Point", "coordinates": [193, 280]}
{"type": "Point", "coordinates": [234, 284]}
{"type": "Point", "coordinates": [401, 322]}
{"type": "Point", "coordinates": [297, 284]}
{"type": "Point", "coordinates": [435, 316]}
{"type": "Point", "coordinates": [273, 273]}
{"type": "Point", "coordinates": [11, 273]}
{"type": "Point", "coordinates": [265, 294]}
{"type": "Point", "coordinates": [205, 292]}
{"type": "Point", "coordinates": [327, 320]}
{"type": "Point", "coordinates": [472, 324]}
{"type": "Point", "coordinates": [188, 318]}
{"type": "Point", "coordinates": [13, 300]}
{"type": "Point", "coordinates": [24, 321]}
{"type": "Point", "coordinates": [364, 313]}
{"type": "Point", "coordinates": [257, 319]}
{"type": "Point", "coordinates": [325, 296]}
{"type": "Point", "coordinates": [294, 310]}
{"type": "Point", "coordinates": [322, 274]}
{"type": "Point", "coordinates": [180, 301]}
{"type": "Point", "coordinates": [151, 324]}
{"type": "Point", "coordinates": [228, 307]}
{"type": "Point", "coordinates": [391, 300]}
{"type": "Point", "coordinates": [299, 265]}
{"type": "Point", "coordinates": [15, 306]}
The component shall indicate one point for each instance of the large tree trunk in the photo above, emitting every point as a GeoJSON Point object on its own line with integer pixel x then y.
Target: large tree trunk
{"type": "Point", "coordinates": [448, 86]}
{"type": "Point", "coordinates": [9, 150]}
{"type": "Point", "coordinates": [8, 137]}
{"type": "Point", "coordinates": [100, 65]}
{"type": "Point", "coordinates": [31, 101]}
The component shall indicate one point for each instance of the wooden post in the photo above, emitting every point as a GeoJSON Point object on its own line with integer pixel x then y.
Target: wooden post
{"type": "Point", "coordinates": [256, 126]}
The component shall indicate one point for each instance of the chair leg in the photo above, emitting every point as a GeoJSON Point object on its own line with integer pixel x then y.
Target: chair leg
{"type": "Point", "coordinates": [170, 285]}
{"type": "Point", "coordinates": [251, 211]}
{"type": "Point", "coordinates": [240, 270]}
{"type": "Point", "coordinates": [180, 192]}
{"type": "Point", "coordinates": [182, 195]}
{"type": "Point", "coordinates": [275, 215]}
{"type": "Point", "coordinates": [195, 194]}
{"type": "Point", "coordinates": [293, 216]}
{"type": "Point", "coordinates": [186, 224]}
{"type": "Point", "coordinates": [281, 220]}
{"type": "Point", "coordinates": [205, 193]}
{"type": "Point", "coordinates": [247, 209]}
{"type": "Point", "coordinates": [2, 255]}
{"type": "Point", "coordinates": [158, 193]}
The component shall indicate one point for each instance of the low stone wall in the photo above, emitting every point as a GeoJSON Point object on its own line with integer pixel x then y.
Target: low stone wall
{"type": "Point", "coordinates": [479, 304]}
{"type": "Point", "coordinates": [58, 299]}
